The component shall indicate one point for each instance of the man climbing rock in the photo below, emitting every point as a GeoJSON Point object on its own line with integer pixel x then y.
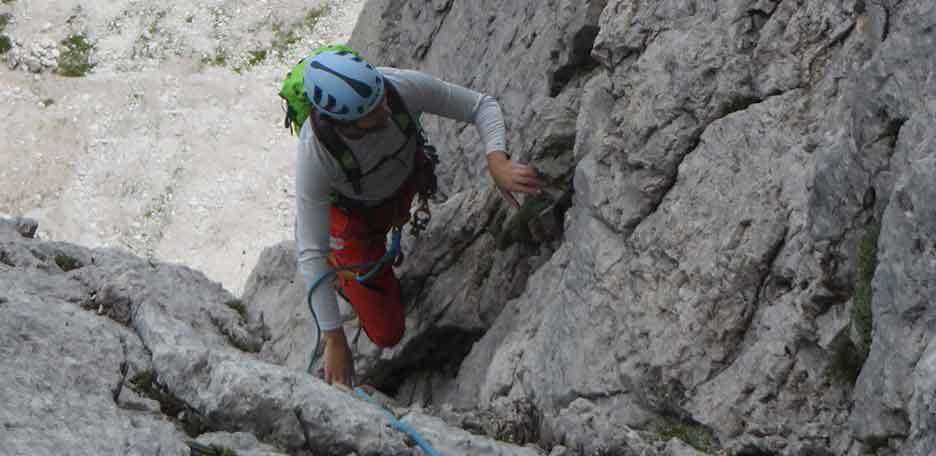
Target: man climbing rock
{"type": "Point", "coordinates": [362, 160]}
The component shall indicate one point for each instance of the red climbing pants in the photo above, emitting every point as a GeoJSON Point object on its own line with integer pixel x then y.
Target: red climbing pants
{"type": "Point", "coordinates": [359, 235]}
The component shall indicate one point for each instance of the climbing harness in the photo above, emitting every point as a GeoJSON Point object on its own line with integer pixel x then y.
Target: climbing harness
{"type": "Point", "coordinates": [373, 268]}
{"type": "Point", "coordinates": [399, 425]}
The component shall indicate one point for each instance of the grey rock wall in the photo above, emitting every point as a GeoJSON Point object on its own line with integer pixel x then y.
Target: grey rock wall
{"type": "Point", "coordinates": [107, 353]}
{"type": "Point", "coordinates": [731, 161]}
{"type": "Point", "coordinates": [738, 258]}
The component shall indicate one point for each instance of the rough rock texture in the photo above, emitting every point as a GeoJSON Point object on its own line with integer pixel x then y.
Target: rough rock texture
{"type": "Point", "coordinates": [736, 254]}
{"type": "Point", "coordinates": [735, 165]}
{"type": "Point", "coordinates": [108, 353]}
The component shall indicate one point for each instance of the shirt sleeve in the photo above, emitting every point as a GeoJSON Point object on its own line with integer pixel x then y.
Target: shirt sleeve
{"type": "Point", "coordinates": [425, 93]}
{"type": "Point", "coordinates": [312, 230]}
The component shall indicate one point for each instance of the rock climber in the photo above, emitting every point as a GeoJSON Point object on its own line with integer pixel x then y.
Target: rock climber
{"type": "Point", "coordinates": [361, 161]}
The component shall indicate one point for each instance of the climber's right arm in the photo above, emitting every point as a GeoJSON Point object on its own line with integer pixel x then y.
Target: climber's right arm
{"type": "Point", "coordinates": [312, 230]}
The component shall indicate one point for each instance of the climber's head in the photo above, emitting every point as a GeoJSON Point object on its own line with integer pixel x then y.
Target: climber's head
{"type": "Point", "coordinates": [347, 91]}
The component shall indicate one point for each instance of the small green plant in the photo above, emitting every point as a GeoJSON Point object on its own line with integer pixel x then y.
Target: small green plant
{"type": "Point", "coordinates": [695, 436]}
{"type": "Point", "coordinates": [220, 58]}
{"type": "Point", "coordinates": [848, 356]}
{"type": "Point", "coordinates": [46, 102]}
{"type": "Point", "coordinates": [143, 382]}
{"type": "Point", "coordinates": [66, 263]}
{"type": "Point", "coordinates": [283, 38]}
{"type": "Point", "coordinates": [6, 43]}
{"type": "Point", "coordinates": [238, 306]}
{"type": "Point", "coordinates": [256, 57]}
{"type": "Point", "coordinates": [75, 61]}
{"type": "Point", "coordinates": [313, 16]}
{"type": "Point", "coordinates": [861, 312]}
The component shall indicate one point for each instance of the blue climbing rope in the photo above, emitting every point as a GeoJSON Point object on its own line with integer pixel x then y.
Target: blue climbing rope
{"type": "Point", "coordinates": [374, 267]}
{"type": "Point", "coordinates": [399, 425]}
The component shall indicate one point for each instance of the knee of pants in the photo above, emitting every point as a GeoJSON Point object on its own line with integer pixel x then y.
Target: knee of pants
{"type": "Point", "coordinates": [388, 336]}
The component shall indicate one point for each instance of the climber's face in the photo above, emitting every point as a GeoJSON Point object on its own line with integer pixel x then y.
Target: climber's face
{"type": "Point", "coordinates": [374, 121]}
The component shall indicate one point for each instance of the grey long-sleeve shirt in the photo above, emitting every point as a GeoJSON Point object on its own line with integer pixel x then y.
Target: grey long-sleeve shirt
{"type": "Point", "coordinates": [318, 173]}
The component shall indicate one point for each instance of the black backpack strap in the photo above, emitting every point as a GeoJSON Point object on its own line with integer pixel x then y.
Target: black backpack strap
{"type": "Point", "coordinates": [325, 132]}
{"type": "Point", "coordinates": [401, 116]}
{"type": "Point", "coordinates": [405, 121]}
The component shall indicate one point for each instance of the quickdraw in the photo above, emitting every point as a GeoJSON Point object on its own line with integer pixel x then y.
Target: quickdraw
{"type": "Point", "coordinates": [421, 218]}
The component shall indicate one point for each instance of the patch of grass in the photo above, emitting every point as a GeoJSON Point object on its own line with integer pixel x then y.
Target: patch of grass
{"type": "Point", "coordinates": [313, 16]}
{"type": "Point", "coordinates": [695, 436]}
{"type": "Point", "coordinates": [144, 383]}
{"type": "Point", "coordinates": [283, 38]}
{"type": "Point", "coordinates": [862, 317]}
{"type": "Point", "coordinates": [66, 263]}
{"type": "Point", "coordinates": [848, 356]}
{"type": "Point", "coordinates": [47, 102]}
{"type": "Point", "coordinates": [75, 61]}
{"type": "Point", "coordinates": [220, 58]}
{"type": "Point", "coordinates": [6, 43]}
{"type": "Point", "coordinates": [238, 306]}
{"type": "Point", "coordinates": [256, 57]}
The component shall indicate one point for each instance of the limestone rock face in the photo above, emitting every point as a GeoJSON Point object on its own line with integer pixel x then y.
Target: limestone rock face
{"type": "Point", "coordinates": [735, 255]}
{"type": "Point", "coordinates": [736, 173]}
{"type": "Point", "coordinates": [108, 353]}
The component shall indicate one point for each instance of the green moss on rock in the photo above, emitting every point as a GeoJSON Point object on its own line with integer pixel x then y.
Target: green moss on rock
{"type": "Point", "coordinates": [694, 435]}
{"type": "Point", "coordinates": [867, 263]}
{"type": "Point", "coordinates": [66, 263]}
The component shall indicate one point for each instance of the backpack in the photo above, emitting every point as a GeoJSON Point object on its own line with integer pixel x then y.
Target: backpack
{"type": "Point", "coordinates": [298, 108]}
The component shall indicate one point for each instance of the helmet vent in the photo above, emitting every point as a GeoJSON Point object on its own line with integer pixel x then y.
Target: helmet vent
{"type": "Point", "coordinates": [317, 95]}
